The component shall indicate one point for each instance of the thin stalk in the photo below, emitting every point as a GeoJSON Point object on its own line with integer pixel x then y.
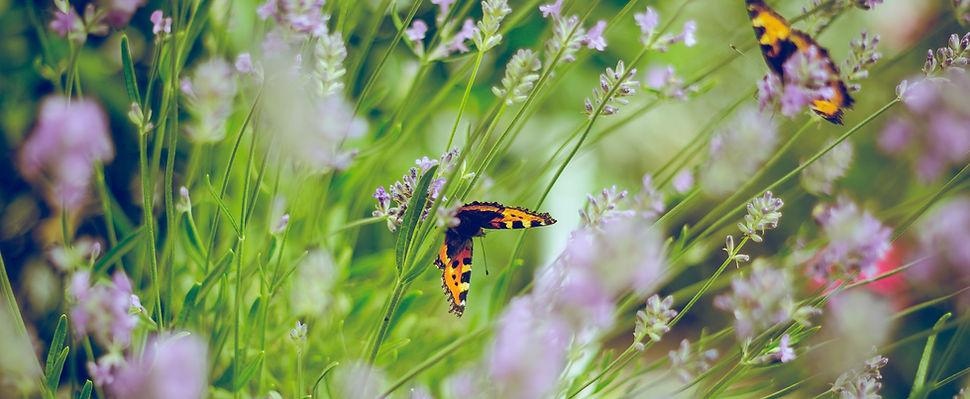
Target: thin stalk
{"type": "Point", "coordinates": [926, 206]}
{"type": "Point", "coordinates": [395, 300]}
{"type": "Point", "coordinates": [629, 350]}
{"type": "Point", "coordinates": [464, 98]}
{"type": "Point", "coordinates": [149, 221]}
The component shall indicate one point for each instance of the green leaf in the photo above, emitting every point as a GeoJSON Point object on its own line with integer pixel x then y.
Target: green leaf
{"type": "Point", "coordinates": [411, 217]}
{"type": "Point", "coordinates": [86, 390]}
{"type": "Point", "coordinates": [54, 374]}
{"type": "Point", "coordinates": [215, 273]}
{"type": "Point", "coordinates": [322, 375]}
{"type": "Point", "coordinates": [248, 372]}
{"type": "Point", "coordinates": [57, 344]}
{"type": "Point", "coordinates": [222, 206]}
{"type": "Point", "coordinates": [188, 305]}
{"type": "Point", "coordinates": [115, 253]}
{"type": "Point", "coordinates": [129, 68]}
{"type": "Point", "coordinates": [192, 238]}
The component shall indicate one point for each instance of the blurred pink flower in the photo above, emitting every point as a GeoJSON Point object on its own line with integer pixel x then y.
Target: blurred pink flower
{"type": "Point", "coordinates": [551, 9]}
{"type": "Point", "coordinates": [417, 31]}
{"type": "Point", "coordinates": [119, 12]}
{"type": "Point", "coordinates": [161, 24]}
{"type": "Point", "coordinates": [594, 37]}
{"type": "Point", "coordinates": [529, 351]}
{"type": "Point", "coordinates": [855, 241]}
{"type": "Point", "coordinates": [102, 310]}
{"type": "Point", "coordinates": [934, 129]}
{"type": "Point", "coordinates": [173, 366]}
{"type": "Point", "coordinates": [68, 139]}
{"type": "Point", "coordinates": [69, 25]}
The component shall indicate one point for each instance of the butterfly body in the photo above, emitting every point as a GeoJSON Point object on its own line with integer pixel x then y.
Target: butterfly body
{"type": "Point", "coordinates": [455, 256]}
{"type": "Point", "coordinates": [779, 43]}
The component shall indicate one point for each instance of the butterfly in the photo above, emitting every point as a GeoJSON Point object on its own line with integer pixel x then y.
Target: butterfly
{"type": "Point", "coordinates": [779, 42]}
{"type": "Point", "coordinates": [455, 257]}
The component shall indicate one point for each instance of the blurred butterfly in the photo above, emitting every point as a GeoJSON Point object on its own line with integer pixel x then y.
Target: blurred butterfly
{"type": "Point", "coordinates": [779, 42]}
{"type": "Point", "coordinates": [455, 257]}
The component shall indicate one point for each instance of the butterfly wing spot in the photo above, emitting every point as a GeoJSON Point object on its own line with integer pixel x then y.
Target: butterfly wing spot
{"type": "Point", "coordinates": [455, 260]}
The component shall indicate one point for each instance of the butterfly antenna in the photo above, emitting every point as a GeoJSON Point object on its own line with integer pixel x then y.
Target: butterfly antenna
{"type": "Point", "coordinates": [484, 258]}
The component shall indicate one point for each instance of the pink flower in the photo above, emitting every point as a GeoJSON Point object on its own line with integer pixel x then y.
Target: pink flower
{"type": "Point", "coordinates": [529, 351]}
{"type": "Point", "coordinates": [594, 38]}
{"type": "Point", "coordinates": [119, 12]}
{"type": "Point", "coordinates": [160, 24]}
{"type": "Point", "coordinates": [102, 309]}
{"type": "Point", "coordinates": [69, 25]}
{"type": "Point", "coordinates": [244, 63]}
{"type": "Point", "coordinates": [467, 32]}
{"type": "Point", "coordinates": [267, 9]}
{"type": "Point", "coordinates": [172, 366]}
{"type": "Point", "coordinates": [68, 139]}
{"type": "Point", "coordinates": [444, 4]}
{"type": "Point", "coordinates": [647, 21]}
{"type": "Point", "coordinates": [417, 31]}
{"type": "Point", "coordinates": [551, 9]}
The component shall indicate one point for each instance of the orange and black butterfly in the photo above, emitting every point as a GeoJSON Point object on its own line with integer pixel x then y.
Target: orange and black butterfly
{"type": "Point", "coordinates": [779, 42]}
{"type": "Point", "coordinates": [455, 257]}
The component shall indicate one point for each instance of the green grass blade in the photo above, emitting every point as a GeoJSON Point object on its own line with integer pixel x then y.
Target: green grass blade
{"type": "Point", "coordinates": [411, 217]}
{"type": "Point", "coordinates": [124, 246]}
{"type": "Point", "coordinates": [131, 83]}
{"type": "Point", "coordinates": [57, 344]}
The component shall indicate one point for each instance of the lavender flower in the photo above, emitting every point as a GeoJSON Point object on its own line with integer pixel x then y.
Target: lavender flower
{"type": "Point", "coordinates": [654, 320]}
{"type": "Point", "coordinates": [310, 129]}
{"type": "Point", "coordinates": [737, 151]}
{"type": "Point", "coordinates": [665, 84]}
{"type": "Point", "coordinates": [620, 255]}
{"type": "Point", "coordinates": [209, 98]}
{"type": "Point", "coordinates": [780, 351]}
{"type": "Point", "coordinates": [160, 23]}
{"type": "Point", "coordinates": [416, 32]}
{"type": "Point", "coordinates": [683, 181]}
{"type": "Point", "coordinates": [594, 37]}
{"type": "Point", "coordinates": [81, 252]}
{"type": "Point", "coordinates": [117, 13]}
{"type": "Point", "coordinates": [102, 310]}
{"type": "Point", "coordinates": [444, 5]}
{"type": "Point", "coordinates": [603, 208]}
{"type": "Point", "coordinates": [402, 191]}
{"type": "Point", "coordinates": [551, 9]}
{"type": "Point", "coordinates": [648, 22]}
{"type": "Point", "coordinates": [301, 18]}
{"type": "Point", "coordinates": [955, 55]}
{"type": "Point", "coordinates": [934, 129]}
{"type": "Point", "coordinates": [649, 202]}
{"type": "Point", "coordinates": [69, 138]}
{"type": "Point", "coordinates": [529, 352]}
{"type": "Point", "coordinates": [520, 74]}
{"type": "Point", "coordinates": [689, 364]}
{"type": "Point", "coordinates": [855, 239]}
{"type": "Point", "coordinates": [862, 55]}
{"type": "Point", "coordinates": [487, 36]}
{"type": "Point", "coordinates": [862, 382]}
{"type": "Point", "coordinates": [244, 64]}
{"type": "Point", "coordinates": [567, 37]}
{"type": "Point", "coordinates": [174, 366]}
{"type": "Point", "coordinates": [68, 24]}
{"type": "Point", "coordinates": [448, 216]}
{"type": "Point", "coordinates": [806, 79]}
{"type": "Point", "coordinates": [866, 4]}
{"type": "Point", "coordinates": [819, 177]}
{"type": "Point", "coordinates": [941, 246]}
{"type": "Point", "coordinates": [762, 300]}
{"type": "Point", "coordinates": [468, 31]}
{"type": "Point", "coordinates": [329, 71]}
{"type": "Point", "coordinates": [621, 80]}
{"type": "Point", "coordinates": [298, 334]}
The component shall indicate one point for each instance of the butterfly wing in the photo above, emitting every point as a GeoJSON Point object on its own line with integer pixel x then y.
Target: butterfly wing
{"type": "Point", "coordinates": [831, 108]}
{"type": "Point", "coordinates": [772, 32]}
{"type": "Point", "coordinates": [455, 261]}
{"type": "Point", "coordinates": [492, 215]}
{"type": "Point", "coordinates": [779, 42]}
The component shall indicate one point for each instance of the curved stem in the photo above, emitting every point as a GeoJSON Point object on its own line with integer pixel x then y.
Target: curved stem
{"type": "Point", "coordinates": [464, 99]}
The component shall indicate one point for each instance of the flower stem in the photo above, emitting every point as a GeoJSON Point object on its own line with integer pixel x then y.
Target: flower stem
{"type": "Point", "coordinates": [149, 222]}
{"type": "Point", "coordinates": [464, 98]}
{"type": "Point", "coordinates": [395, 300]}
